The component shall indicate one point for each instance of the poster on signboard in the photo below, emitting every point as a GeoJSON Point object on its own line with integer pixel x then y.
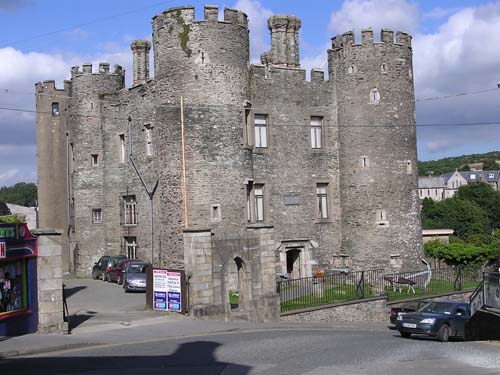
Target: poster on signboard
{"type": "Point", "coordinates": [160, 290]}
{"type": "Point", "coordinates": [174, 291]}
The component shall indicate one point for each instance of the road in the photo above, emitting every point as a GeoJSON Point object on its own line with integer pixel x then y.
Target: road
{"type": "Point", "coordinates": [125, 339]}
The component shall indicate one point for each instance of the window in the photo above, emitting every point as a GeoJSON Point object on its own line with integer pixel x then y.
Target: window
{"type": "Point", "coordinates": [215, 212]}
{"type": "Point", "coordinates": [316, 130]}
{"type": "Point", "coordinates": [94, 160]}
{"type": "Point", "coordinates": [130, 212]}
{"type": "Point", "coordinates": [260, 122]}
{"type": "Point", "coordinates": [322, 200]}
{"type": "Point", "coordinates": [351, 69]}
{"type": "Point", "coordinates": [55, 109]}
{"type": "Point", "coordinates": [249, 188]}
{"type": "Point", "coordinates": [259, 202]}
{"type": "Point", "coordinates": [381, 217]}
{"type": "Point", "coordinates": [149, 139]}
{"type": "Point", "coordinates": [131, 247]}
{"type": "Point", "coordinates": [383, 68]}
{"type": "Point", "coordinates": [408, 167]}
{"type": "Point", "coordinates": [491, 175]}
{"type": "Point", "coordinates": [122, 148]}
{"type": "Point", "coordinates": [374, 96]}
{"type": "Point", "coordinates": [364, 161]}
{"type": "Point", "coordinates": [472, 176]}
{"type": "Point", "coordinates": [97, 215]}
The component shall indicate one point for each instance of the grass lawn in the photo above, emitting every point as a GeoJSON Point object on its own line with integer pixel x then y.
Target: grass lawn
{"type": "Point", "coordinates": [234, 297]}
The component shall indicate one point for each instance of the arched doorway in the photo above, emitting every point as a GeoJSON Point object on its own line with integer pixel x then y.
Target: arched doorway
{"type": "Point", "coordinates": [293, 263]}
{"type": "Point", "coordinates": [237, 284]}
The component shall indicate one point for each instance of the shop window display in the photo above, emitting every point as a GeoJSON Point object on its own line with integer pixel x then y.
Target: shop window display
{"type": "Point", "coordinates": [12, 286]}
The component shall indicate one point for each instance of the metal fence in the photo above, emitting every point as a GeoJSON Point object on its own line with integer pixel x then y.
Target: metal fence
{"type": "Point", "coordinates": [347, 286]}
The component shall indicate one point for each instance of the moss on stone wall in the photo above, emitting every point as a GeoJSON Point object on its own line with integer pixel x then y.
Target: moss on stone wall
{"type": "Point", "coordinates": [184, 35]}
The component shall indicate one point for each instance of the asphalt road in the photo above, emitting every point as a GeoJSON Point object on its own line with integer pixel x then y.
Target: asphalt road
{"type": "Point", "coordinates": [172, 345]}
{"type": "Point", "coordinates": [290, 351]}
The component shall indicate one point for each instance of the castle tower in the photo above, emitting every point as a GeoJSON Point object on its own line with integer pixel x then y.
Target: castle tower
{"type": "Point", "coordinates": [284, 40]}
{"type": "Point", "coordinates": [94, 110]}
{"type": "Point", "coordinates": [207, 63]}
{"type": "Point", "coordinates": [377, 149]}
{"type": "Point", "coordinates": [140, 50]}
{"type": "Point", "coordinates": [53, 162]}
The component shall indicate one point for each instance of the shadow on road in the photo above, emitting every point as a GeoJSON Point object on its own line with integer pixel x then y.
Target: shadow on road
{"type": "Point", "coordinates": [68, 292]}
{"type": "Point", "coordinates": [190, 358]}
{"type": "Point", "coordinates": [76, 319]}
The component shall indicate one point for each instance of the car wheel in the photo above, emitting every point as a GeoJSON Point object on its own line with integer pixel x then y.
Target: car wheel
{"type": "Point", "coordinates": [443, 334]}
{"type": "Point", "coordinates": [406, 335]}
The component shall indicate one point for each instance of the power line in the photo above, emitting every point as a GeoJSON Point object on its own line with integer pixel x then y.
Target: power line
{"type": "Point", "coordinates": [435, 98]}
{"type": "Point", "coordinates": [272, 125]}
{"type": "Point", "coordinates": [91, 22]}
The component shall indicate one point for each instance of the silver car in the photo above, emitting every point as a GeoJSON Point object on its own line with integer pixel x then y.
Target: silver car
{"type": "Point", "coordinates": [135, 277]}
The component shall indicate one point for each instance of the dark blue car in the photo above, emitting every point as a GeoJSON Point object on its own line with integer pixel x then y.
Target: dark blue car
{"type": "Point", "coordinates": [443, 320]}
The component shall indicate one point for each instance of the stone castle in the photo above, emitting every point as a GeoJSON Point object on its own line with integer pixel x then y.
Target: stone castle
{"type": "Point", "coordinates": [258, 170]}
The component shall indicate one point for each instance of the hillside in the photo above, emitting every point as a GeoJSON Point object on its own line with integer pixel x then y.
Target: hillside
{"type": "Point", "coordinates": [486, 161]}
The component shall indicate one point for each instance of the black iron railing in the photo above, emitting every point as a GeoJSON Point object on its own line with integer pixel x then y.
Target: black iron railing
{"type": "Point", "coordinates": [347, 286]}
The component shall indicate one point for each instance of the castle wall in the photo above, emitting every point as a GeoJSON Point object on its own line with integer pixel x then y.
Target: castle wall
{"type": "Point", "coordinates": [377, 143]}
{"type": "Point", "coordinates": [291, 169]}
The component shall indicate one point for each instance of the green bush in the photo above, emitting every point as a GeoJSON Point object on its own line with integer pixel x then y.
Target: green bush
{"type": "Point", "coordinates": [462, 252]}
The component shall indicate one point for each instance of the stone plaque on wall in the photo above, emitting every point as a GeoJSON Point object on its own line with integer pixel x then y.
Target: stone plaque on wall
{"type": "Point", "coordinates": [292, 200]}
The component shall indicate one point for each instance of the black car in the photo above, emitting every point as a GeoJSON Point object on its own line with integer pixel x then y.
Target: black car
{"type": "Point", "coordinates": [442, 320]}
{"type": "Point", "coordinates": [103, 265]}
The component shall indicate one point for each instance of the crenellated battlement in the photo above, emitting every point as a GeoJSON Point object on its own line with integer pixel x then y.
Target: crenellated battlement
{"type": "Point", "coordinates": [186, 15]}
{"type": "Point", "coordinates": [348, 39]}
{"type": "Point", "coordinates": [103, 69]}
{"type": "Point", "coordinates": [49, 87]}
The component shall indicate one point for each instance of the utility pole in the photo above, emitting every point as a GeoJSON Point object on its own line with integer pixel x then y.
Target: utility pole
{"type": "Point", "coordinates": [150, 193]}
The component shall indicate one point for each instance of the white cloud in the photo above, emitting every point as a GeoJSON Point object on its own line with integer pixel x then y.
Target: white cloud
{"type": "Point", "coordinates": [459, 58]}
{"type": "Point", "coordinates": [361, 14]}
{"type": "Point", "coordinates": [439, 12]}
{"type": "Point", "coordinates": [257, 23]}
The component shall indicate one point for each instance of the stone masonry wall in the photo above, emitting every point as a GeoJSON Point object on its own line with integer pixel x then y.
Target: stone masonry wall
{"type": "Point", "coordinates": [50, 288]}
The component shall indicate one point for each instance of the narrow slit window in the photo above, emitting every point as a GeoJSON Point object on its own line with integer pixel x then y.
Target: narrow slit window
{"type": "Point", "coordinates": [55, 109]}
{"type": "Point", "coordinates": [122, 148]}
{"type": "Point", "coordinates": [148, 139]}
{"type": "Point", "coordinates": [94, 160]}
{"type": "Point", "coordinates": [375, 96]}
{"type": "Point", "coordinates": [97, 215]}
{"type": "Point", "coordinates": [408, 167]}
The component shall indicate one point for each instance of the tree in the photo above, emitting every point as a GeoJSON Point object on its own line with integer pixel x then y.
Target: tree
{"type": "Point", "coordinates": [465, 167]}
{"type": "Point", "coordinates": [485, 197]}
{"type": "Point", "coordinates": [465, 217]}
{"type": "Point", "coordinates": [489, 164]}
{"type": "Point", "coordinates": [23, 194]}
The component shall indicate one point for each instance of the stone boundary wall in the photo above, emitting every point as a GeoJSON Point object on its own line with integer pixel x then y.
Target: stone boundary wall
{"type": "Point", "coordinates": [366, 310]}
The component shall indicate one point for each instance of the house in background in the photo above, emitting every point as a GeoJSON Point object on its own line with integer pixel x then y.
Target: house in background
{"type": "Point", "coordinates": [26, 213]}
{"type": "Point", "coordinates": [445, 186]}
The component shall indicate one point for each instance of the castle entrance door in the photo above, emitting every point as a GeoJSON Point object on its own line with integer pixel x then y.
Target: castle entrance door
{"type": "Point", "coordinates": [293, 263]}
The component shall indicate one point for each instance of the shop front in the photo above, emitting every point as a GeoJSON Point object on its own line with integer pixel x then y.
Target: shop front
{"type": "Point", "coordinates": [18, 280]}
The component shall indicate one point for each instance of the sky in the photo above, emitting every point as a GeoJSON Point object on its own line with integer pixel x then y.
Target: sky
{"type": "Point", "coordinates": [455, 47]}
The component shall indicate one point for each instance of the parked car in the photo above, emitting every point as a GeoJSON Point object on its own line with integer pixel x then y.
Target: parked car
{"type": "Point", "coordinates": [442, 320]}
{"type": "Point", "coordinates": [103, 265]}
{"type": "Point", "coordinates": [406, 308]}
{"type": "Point", "coordinates": [134, 277]}
{"type": "Point", "coordinates": [115, 274]}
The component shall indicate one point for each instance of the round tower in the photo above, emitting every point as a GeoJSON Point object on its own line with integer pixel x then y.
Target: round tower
{"type": "Point", "coordinates": [206, 62]}
{"type": "Point", "coordinates": [93, 149]}
{"type": "Point", "coordinates": [377, 149]}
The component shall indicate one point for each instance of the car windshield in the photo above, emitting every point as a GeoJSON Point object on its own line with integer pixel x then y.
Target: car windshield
{"type": "Point", "coordinates": [137, 268]}
{"type": "Point", "coordinates": [437, 308]}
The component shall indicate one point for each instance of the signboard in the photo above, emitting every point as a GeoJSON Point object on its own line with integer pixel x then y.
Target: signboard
{"type": "Point", "coordinates": [3, 249]}
{"type": "Point", "coordinates": [167, 293]}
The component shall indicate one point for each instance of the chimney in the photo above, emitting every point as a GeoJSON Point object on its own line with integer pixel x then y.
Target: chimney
{"type": "Point", "coordinates": [284, 40]}
{"type": "Point", "coordinates": [140, 51]}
